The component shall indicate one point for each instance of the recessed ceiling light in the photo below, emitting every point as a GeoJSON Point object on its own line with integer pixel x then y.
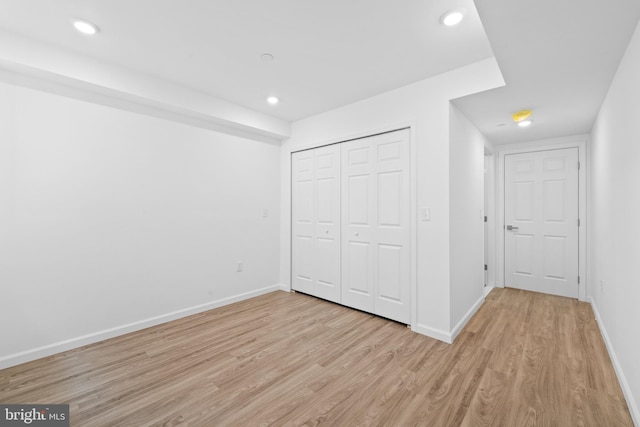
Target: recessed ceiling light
{"type": "Point", "coordinates": [273, 100]}
{"type": "Point", "coordinates": [453, 17]}
{"type": "Point", "coordinates": [525, 123]}
{"type": "Point", "coordinates": [85, 27]}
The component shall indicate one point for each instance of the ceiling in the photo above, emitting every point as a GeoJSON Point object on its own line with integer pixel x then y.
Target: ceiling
{"type": "Point", "coordinates": [557, 57]}
{"type": "Point", "coordinates": [326, 53]}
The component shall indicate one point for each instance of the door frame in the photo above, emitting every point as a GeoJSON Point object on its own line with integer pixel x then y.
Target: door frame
{"type": "Point", "coordinates": [413, 200]}
{"type": "Point", "coordinates": [579, 142]}
{"type": "Point", "coordinates": [490, 213]}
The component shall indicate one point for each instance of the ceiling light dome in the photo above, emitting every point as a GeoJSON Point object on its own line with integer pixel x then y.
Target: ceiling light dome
{"type": "Point", "coordinates": [453, 17]}
{"type": "Point", "coordinates": [525, 123]}
{"type": "Point", "coordinates": [84, 26]}
{"type": "Point", "coordinates": [273, 100]}
{"type": "Point", "coordinates": [521, 115]}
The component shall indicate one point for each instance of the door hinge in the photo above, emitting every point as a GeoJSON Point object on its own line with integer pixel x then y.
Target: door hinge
{"type": "Point", "coordinates": [485, 218]}
{"type": "Point", "coordinates": [578, 280]}
{"type": "Point", "coordinates": [486, 267]}
{"type": "Point", "coordinates": [578, 165]}
{"type": "Point", "coordinates": [578, 222]}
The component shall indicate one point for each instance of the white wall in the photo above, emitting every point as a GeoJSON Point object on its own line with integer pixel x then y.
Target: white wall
{"type": "Point", "coordinates": [614, 231]}
{"type": "Point", "coordinates": [109, 219]}
{"type": "Point", "coordinates": [466, 216]}
{"type": "Point", "coordinates": [425, 107]}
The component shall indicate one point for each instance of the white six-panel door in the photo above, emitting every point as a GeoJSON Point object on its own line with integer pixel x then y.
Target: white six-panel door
{"type": "Point", "coordinates": [541, 221]}
{"type": "Point", "coordinates": [327, 233]}
{"type": "Point", "coordinates": [316, 222]}
{"type": "Point", "coordinates": [303, 221]}
{"type": "Point", "coordinates": [376, 232]}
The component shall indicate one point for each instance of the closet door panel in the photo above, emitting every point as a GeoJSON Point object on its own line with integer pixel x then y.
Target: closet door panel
{"type": "Point", "coordinates": [376, 225]}
{"type": "Point", "coordinates": [358, 220]}
{"type": "Point", "coordinates": [393, 228]}
{"type": "Point", "coordinates": [327, 226]}
{"type": "Point", "coordinates": [303, 221]}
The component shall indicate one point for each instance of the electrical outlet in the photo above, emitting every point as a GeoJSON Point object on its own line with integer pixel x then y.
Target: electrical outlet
{"type": "Point", "coordinates": [265, 213]}
{"type": "Point", "coordinates": [601, 285]}
{"type": "Point", "coordinates": [239, 266]}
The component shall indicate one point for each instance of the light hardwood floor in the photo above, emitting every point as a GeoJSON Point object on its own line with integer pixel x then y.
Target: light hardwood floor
{"type": "Point", "coordinates": [525, 359]}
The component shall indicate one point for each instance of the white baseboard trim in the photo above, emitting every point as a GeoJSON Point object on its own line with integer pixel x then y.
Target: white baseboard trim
{"type": "Point", "coordinates": [465, 319]}
{"type": "Point", "coordinates": [624, 384]}
{"type": "Point", "coordinates": [48, 350]}
{"type": "Point", "coordinates": [283, 287]}
{"type": "Point", "coordinates": [487, 290]}
{"type": "Point", "coordinates": [448, 337]}
{"type": "Point", "coordinates": [433, 333]}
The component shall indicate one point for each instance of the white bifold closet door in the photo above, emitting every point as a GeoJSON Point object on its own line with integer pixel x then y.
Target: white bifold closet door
{"type": "Point", "coordinates": [376, 231]}
{"type": "Point", "coordinates": [316, 222]}
{"type": "Point", "coordinates": [351, 229]}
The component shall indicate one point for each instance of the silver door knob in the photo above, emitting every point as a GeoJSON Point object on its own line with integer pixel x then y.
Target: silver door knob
{"type": "Point", "coordinates": [512, 228]}
{"type": "Point", "coordinates": [356, 234]}
{"type": "Point", "coordinates": [326, 231]}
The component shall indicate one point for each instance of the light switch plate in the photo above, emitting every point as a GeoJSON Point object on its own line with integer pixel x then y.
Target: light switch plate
{"type": "Point", "coordinates": [425, 214]}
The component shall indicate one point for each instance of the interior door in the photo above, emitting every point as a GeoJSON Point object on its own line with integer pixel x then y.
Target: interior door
{"type": "Point", "coordinates": [316, 222]}
{"type": "Point", "coordinates": [541, 221]}
{"type": "Point", "coordinates": [376, 225]}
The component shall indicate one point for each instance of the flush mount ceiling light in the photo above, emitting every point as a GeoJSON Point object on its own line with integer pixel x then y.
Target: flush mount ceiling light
{"type": "Point", "coordinates": [84, 26]}
{"type": "Point", "coordinates": [453, 17]}
{"type": "Point", "coordinates": [521, 115]}
{"type": "Point", "coordinates": [522, 118]}
{"type": "Point", "coordinates": [273, 100]}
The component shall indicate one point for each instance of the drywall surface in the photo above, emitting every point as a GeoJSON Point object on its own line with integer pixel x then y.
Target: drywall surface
{"type": "Point", "coordinates": [614, 229]}
{"type": "Point", "coordinates": [424, 106]}
{"type": "Point", "coordinates": [466, 214]}
{"type": "Point", "coordinates": [109, 218]}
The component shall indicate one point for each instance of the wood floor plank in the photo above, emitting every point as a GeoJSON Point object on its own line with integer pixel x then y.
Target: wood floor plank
{"type": "Point", "coordinates": [524, 359]}
{"type": "Point", "coordinates": [488, 406]}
